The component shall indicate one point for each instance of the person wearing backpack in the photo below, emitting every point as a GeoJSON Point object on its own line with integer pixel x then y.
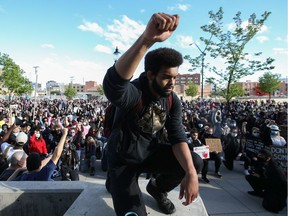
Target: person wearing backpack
{"type": "Point", "coordinates": [134, 145]}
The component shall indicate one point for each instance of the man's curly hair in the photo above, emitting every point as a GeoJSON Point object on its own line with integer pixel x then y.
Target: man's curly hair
{"type": "Point", "coordinates": [162, 57]}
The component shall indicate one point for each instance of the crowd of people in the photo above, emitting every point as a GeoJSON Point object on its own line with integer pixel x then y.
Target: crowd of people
{"type": "Point", "coordinates": [152, 131]}
{"type": "Point", "coordinates": [28, 141]}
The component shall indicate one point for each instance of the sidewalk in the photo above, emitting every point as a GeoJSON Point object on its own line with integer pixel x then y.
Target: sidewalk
{"type": "Point", "coordinates": [226, 196]}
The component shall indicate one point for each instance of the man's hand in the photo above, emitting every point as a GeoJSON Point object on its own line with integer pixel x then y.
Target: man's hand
{"type": "Point", "coordinates": [189, 188]}
{"type": "Point", "coordinates": [160, 27]}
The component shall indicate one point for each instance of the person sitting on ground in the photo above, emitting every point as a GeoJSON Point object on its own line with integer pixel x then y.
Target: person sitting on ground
{"type": "Point", "coordinates": [17, 160]}
{"type": "Point", "coordinates": [69, 161]}
{"type": "Point", "coordinates": [38, 172]}
{"type": "Point", "coordinates": [193, 141]}
{"type": "Point", "coordinates": [90, 154]}
{"type": "Point", "coordinates": [208, 134]}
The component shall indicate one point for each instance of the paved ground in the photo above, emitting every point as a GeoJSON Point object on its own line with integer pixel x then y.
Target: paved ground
{"type": "Point", "coordinates": [221, 197]}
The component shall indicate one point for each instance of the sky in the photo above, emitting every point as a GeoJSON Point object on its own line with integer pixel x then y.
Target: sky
{"type": "Point", "coordinates": [74, 40]}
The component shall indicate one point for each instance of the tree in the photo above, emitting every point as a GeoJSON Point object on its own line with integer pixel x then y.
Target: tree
{"type": "Point", "coordinates": [192, 89]}
{"type": "Point", "coordinates": [269, 83]}
{"type": "Point", "coordinates": [230, 47]}
{"type": "Point", "coordinates": [12, 78]}
{"type": "Point", "coordinates": [100, 90]}
{"type": "Point", "coordinates": [70, 92]}
{"type": "Point", "coordinates": [236, 90]}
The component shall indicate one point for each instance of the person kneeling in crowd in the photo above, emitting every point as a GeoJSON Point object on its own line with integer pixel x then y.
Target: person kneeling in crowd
{"type": "Point", "coordinates": [268, 181]}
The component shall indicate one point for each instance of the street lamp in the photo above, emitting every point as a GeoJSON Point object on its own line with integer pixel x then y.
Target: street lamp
{"type": "Point", "coordinates": [116, 54]}
{"type": "Point", "coordinates": [36, 86]}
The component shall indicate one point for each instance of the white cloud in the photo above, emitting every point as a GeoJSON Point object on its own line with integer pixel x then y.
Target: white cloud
{"type": "Point", "coordinates": [49, 46]}
{"type": "Point", "coordinates": [103, 49]}
{"type": "Point", "coordinates": [184, 41]}
{"type": "Point", "coordinates": [282, 39]}
{"type": "Point", "coordinates": [124, 32]}
{"type": "Point", "coordinates": [244, 24]}
{"type": "Point", "coordinates": [91, 26]}
{"type": "Point", "coordinates": [280, 51]}
{"type": "Point", "coordinates": [182, 7]}
{"type": "Point", "coordinates": [263, 29]}
{"type": "Point", "coordinates": [262, 39]}
{"type": "Point", "coordinates": [121, 33]}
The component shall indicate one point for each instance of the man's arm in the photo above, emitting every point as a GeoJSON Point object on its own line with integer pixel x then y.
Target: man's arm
{"type": "Point", "coordinates": [58, 150]}
{"type": "Point", "coordinates": [159, 28]}
{"type": "Point", "coordinates": [189, 187]}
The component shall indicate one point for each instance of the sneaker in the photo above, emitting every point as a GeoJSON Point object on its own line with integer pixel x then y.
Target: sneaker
{"type": "Point", "coordinates": [164, 204]}
{"type": "Point", "coordinates": [218, 175]}
{"type": "Point", "coordinates": [205, 179]}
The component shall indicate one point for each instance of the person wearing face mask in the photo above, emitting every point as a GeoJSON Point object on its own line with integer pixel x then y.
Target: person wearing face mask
{"type": "Point", "coordinates": [208, 133]}
{"type": "Point", "coordinates": [253, 143]}
{"type": "Point", "coordinates": [231, 147]}
{"type": "Point", "coordinates": [269, 182]}
{"type": "Point", "coordinates": [276, 138]}
{"type": "Point", "coordinates": [37, 143]}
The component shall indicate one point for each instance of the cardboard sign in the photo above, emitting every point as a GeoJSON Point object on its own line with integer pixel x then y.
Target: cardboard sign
{"type": "Point", "coordinates": [202, 151]}
{"type": "Point", "coordinates": [214, 145]}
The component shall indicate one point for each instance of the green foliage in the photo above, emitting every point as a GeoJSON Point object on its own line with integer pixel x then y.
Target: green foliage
{"type": "Point", "coordinates": [12, 79]}
{"type": "Point", "coordinates": [236, 90]}
{"type": "Point", "coordinates": [100, 90]}
{"type": "Point", "coordinates": [55, 92]}
{"type": "Point", "coordinates": [70, 92]}
{"type": "Point", "coordinates": [192, 89]}
{"type": "Point", "coordinates": [269, 82]}
{"type": "Point", "coordinates": [229, 46]}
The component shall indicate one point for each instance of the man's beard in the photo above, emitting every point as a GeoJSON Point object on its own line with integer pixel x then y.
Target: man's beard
{"type": "Point", "coordinates": [159, 89]}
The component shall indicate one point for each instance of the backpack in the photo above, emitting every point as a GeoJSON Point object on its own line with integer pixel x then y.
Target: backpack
{"type": "Point", "coordinates": [110, 111]}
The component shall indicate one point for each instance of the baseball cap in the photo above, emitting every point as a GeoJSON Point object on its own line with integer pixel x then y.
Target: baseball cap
{"type": "Point", "coordinates": [21, 138]}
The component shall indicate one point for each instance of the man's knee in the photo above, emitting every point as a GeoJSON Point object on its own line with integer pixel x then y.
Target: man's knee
{"type": "Point", "coordinates": [197, 161]}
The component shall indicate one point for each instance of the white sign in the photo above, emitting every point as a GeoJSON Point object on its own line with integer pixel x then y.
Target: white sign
{"type": "Point", "coordinates": [202, 151]}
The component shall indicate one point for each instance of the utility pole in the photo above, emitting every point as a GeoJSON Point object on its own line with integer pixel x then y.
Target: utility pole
{"type": "Point", "coordinates": [36, 87]}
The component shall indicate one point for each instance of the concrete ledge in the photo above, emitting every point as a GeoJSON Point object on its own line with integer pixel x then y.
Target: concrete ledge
{"type": "Point", "coordinates": [76, 199]}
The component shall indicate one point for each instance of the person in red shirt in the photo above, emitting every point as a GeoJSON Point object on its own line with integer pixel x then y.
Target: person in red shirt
{"type": "Point", "coordinates": [37, 143]}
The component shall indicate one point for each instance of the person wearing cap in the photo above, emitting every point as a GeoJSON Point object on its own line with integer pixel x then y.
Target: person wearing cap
{"type": "Point", "coordinates": [275, 136]}
{"type": "Point", "coordinates": [8, 149]}
{"type": "Point", "coordinates": [39, 170]}
{"type": "Point", "coordinates": [268, 180]}
{"type": "Point", "coordinates": [17, 161]}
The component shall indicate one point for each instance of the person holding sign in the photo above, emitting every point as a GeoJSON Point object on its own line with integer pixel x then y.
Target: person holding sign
{"type": "Point", "coordinates": [193, 142]}
{"type": "Point", "coordinates": [214, 155]}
